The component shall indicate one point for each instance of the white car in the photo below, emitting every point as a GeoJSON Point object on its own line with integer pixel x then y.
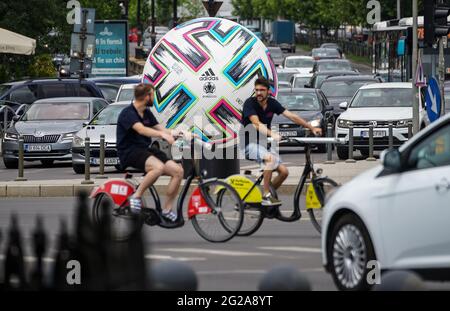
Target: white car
{"type": "Point", "coordinates": [303, 64]}
{"type": "Point", "coordinates": [105, 122]}
{"type": "Point", "coordinates": [299, 80]}
{"type": "Point", "coordinates": [397, 213]}
{"type": "Point", "coordinates": [378, 104]}
{"type": "Point", "coordinates": [126, 93]}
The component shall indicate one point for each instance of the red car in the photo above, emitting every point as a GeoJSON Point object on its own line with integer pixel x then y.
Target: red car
{"type": "Point", "coordinates": [133, 35]}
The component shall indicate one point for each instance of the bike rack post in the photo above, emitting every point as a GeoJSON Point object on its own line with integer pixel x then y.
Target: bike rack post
{"type": "Point", "coordinates": [87, 162]}
{"type": "Point", "coordinates": [391, 135]}
{"type": "Point", "coordinates": [371, 158]}
{"type": "Point", "coordinates": [329, 145]}
{"type": "Point", "coordinates": [410, 134]}
{"type": "Point", "coordinates": [350, 145]}
{"type": "Point", "coordinates": [102, 158]}
{"type": "Point", "coordinates": [20, 164]}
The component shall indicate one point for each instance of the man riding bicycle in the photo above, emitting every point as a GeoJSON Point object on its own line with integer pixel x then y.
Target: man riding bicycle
{"type": "Point", "coordinates": [135, 128]}
{"type": "Point", "coordinates": [257, 116]}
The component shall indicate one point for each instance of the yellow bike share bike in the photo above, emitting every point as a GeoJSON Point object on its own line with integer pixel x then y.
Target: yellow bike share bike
{"type": "Point", "coordinates": [318, 190]}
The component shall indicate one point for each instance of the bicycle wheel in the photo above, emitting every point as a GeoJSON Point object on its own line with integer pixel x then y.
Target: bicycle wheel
{"type": "Point", "coordinates": [323, 187]}
{"type": "Point", "coordinates": [253, 218]}
{"type": "Point", "coordinates": [123, 225]}
{"type": "Point", "coordinates": [224, 220]}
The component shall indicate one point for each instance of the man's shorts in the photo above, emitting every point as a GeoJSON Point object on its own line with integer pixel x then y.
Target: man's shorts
{"type": "Point", "coordinates": [138, 157]}
{"type": "Point", "coordinates": [256, 152]}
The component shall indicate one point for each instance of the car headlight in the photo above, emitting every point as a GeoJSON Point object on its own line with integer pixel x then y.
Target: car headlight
{"type": "Point", "coordinates": [403, 123]}
{"type": "Point", "coordinates": [67, 136]}
{"type": "Point", "coordinates": [77, 141]}
{"type": "Point", "coordinates": [344, 123]}
{"type": "Point", "coordinates": [11, 136]}
{"type": "Point", "coordinates": [315, 123]}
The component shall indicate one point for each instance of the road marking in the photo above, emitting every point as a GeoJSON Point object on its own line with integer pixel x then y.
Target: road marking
{"type": "Point", "coordinates": [228, 272]}
{"type": "Point", "coordinates": [166, 257]}
{"type": "Point", "coordinates": [292, 249]}
{"type": "Point", "coordinates": [213, 252]}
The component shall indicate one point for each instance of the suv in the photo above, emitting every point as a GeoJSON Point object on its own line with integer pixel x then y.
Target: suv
{"type": "Point", "coordinates": [28, 91]}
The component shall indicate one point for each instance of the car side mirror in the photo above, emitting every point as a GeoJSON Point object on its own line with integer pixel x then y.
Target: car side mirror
{"type": "Point", "coordinates": [391, 159]}
{"type": "Point", "coordinates": [85, 124]}
{"type": "Point", "coordinates": [329, 108]}
{"type": "Point", "coordinates": [16, 118]}
{"type": "Point", "coordinates": [307, 86]}
{"type": "Point", "coordinates": [343, 105]}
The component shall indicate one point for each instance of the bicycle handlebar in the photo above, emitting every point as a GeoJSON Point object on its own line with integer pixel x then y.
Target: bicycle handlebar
{"type": "Point", "coordinates": [181, 142]}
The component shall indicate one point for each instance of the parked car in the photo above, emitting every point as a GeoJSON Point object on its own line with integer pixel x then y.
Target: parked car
{"type": "Point", "coordinates": [277, 55]}
{"type": "Point", "coordinates": [309, 104]}
{"type": "Point", "coordinates": [343, 88]}
{"type": "Point", "coordinates": [332, 46]}
{"type": "Point", "coordinates": [110, 85]}
{"type": "Point", "coordinates": [320, 76]}
{"type": "Point", "coordinates": [285, 74]}
{"type": "Point", "coordinates": [303, 64]}
{"type": "Point", "coordinates": [332, 64]}
{"type": "Point", "coordinates": [125, 93]}
{"type": "Point", "coordinates": [378, 104]}
{"type": "Point", "coordinates": [299, 80]}
{"type": "Point", "coordinates": [319, 53]}
{"type": "Point", "coordinates": [48, 127]}
{"type": "Point", "coordinates": [396, 213]}
{"type": "Point", "coordinates": [105, 122]}
{"type": "Point", "coordinates": [28, 91]}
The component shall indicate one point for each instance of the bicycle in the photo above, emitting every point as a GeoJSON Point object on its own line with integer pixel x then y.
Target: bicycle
{"type": "Point", "coordinates": [204, 210]}
{"type": "Point", "coordinates": [319, 189]}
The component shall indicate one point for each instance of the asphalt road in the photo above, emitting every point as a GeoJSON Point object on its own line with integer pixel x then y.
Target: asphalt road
{"type": "Point", "coordinates": [236, 265]}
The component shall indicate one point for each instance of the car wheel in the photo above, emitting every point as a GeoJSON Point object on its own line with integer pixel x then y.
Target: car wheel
{"type": "Point", "coordinates": [349, 251]}
{"type": "Point", "coordinates": [342, 153]}
{"type": "Point", "coordinates": [47, 163]}
{"type": "Point", "coordinates": [78, 168]}
{"type": "Point", "coordinates": [10, 163]}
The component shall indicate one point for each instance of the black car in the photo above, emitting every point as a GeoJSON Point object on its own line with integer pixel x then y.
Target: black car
{"type": "Point", "coordinates": [319, 76]}
{"type": "Point", "coordinates": [28, 91]}
{"type": "Point", "coordinates": [332, 64]}
{"type": "Point", "coordinates": [309, 104]}
{"type": "Point", "coordinates": [342, 88]}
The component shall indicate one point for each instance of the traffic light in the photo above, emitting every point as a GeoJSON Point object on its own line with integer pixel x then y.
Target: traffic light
{"type": "Point", "coordinates": [435, 20]}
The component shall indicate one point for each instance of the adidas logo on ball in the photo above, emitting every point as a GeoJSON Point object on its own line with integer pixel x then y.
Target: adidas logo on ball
{"type": "Point", "coordinates": [209, 76]}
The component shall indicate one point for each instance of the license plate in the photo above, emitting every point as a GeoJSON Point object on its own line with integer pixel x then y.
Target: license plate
{"type": "Point", "coordinates": [288, 133]}
{"type": "Point", "coordinates": [365, 134]}
{"type": "Point", "coordinates": [108, 161]}
{"type": "Point", "coordinates": [37, 148]}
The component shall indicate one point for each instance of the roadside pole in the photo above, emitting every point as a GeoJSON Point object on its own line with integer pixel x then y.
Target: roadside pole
{"type": "Point", "coordinates": [414, 69]}
{"type": "Point", "coordinates": [442, 45]}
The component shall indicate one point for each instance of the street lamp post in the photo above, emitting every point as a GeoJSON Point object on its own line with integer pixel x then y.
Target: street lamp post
{"type": "Point", "coordinates": [153, 34]}
{"type": "Point", "coordinates": [138, 20]}
{"type": "Point", "coordinates": [414, 69]}
{"type": "Point", "coordinates": [175, 18]}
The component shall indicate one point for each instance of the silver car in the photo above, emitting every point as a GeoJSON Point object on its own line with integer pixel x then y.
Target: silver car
{"type": "Point", "coordinates": [48, 127]}
{"type": "Point", "coordinates": [104, 123]}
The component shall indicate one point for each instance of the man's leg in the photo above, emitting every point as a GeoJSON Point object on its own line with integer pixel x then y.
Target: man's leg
{"type": "Point", "coordinates": [269, 161]}
{"type": "Point", "coordinates": [283, 173]}
{"type": "Point", "coordinates": [154, 169]}
{"type": "Point", "coordinates": [174, 170]}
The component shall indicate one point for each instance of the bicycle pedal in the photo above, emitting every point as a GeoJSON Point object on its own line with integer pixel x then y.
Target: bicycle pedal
{"type": "Point", "coordinates": [272, 211]}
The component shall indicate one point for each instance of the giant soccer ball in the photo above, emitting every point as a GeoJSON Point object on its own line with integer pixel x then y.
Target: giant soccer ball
{"type": "Point", "coordinates": [203, 71]}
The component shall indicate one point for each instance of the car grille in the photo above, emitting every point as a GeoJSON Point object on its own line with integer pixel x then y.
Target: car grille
{"type": "Point", "coordinates": [378, 123]}
{"type": "Point", "coordinates": [95, 153]}
{"type": "Point", "coordinates": [43, 139]}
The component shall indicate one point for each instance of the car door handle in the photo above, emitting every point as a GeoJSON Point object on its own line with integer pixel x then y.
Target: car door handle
{"type": "Point", "coordinates": [443, 185]}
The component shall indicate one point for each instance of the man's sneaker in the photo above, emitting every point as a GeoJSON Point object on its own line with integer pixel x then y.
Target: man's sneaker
{"type": "Point", "coordinates": [169, 215]}
{"type": "Point", "coordinates": [135, 205]}
{"type": "Point", "coordinates": [270, 200]}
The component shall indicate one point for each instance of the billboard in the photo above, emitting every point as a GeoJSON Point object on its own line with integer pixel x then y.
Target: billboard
{"type": "Point", "coordinates": [111, 49]}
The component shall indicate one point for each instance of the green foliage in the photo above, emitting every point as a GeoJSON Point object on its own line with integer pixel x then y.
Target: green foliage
{"type": "Point", "coordinates": [42, 66]}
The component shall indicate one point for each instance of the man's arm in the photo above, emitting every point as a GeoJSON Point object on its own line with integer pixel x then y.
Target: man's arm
{"type": "Point", "coordinates": [261, 127]}
{"type": "Point", "coordinates": [299, 121]}
{"type": "Point", "coordinates": [141, 129]}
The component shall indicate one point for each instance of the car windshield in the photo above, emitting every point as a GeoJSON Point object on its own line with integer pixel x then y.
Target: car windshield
{"type": "Point", "coordinates": [301, 81]}
{"type": "Point", "coordinates": [57, 111]}
{"type": "Point", "coordinates": [108, 116]}
{"type": "Point", "coordinates": [299, 101]}
{"type": "Point", "coordinates": [299, 63]}
{"type": "Point", "coordinates": [4, 88]}
{"type": "Point", "coordinates": [126, 95]}
{"type": "Point", "coordinates": [382, 97]}
{"type": "Point", "coordinates": [334, 66]}
{"type": "Point", "coordinates": [285, 76]}
{"type": "Point", "coordinates": [342, 88]}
